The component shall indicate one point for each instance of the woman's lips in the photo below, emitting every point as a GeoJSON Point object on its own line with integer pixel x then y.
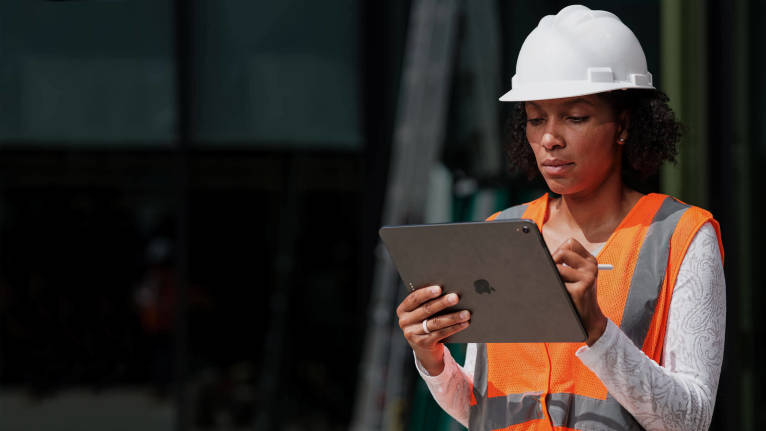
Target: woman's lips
{"type": "Point", "coordinates": [556, 167]}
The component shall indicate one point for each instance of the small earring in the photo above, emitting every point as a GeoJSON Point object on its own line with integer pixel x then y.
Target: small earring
{"type": "Point", "coordinates": [621, 140]}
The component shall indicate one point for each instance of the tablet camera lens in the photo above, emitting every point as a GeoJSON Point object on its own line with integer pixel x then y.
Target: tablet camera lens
{"type": "Point", "coordinates": [525, 229]}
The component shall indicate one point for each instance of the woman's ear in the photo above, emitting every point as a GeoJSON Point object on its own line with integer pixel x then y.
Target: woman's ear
{"type": "Point", "coordinates": [622, 127]}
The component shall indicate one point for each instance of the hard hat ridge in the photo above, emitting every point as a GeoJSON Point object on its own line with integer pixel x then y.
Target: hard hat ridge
{"type": "Point", "coordinates": [576, 52]}
{"type": "Point", "coordinates": [576, 14]}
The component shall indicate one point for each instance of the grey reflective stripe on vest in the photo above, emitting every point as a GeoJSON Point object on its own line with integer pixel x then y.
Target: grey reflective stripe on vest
{"type": "Point", "coordinates": [512, 212]}
{"type": "Point", "coordinates": [585, 413]}
{"type": "Point", "coordinates": [650, 271]}
{"type": "Point", "coordinates": [499, 412]}
{"type": "Point", "coordinates": [572, 410]}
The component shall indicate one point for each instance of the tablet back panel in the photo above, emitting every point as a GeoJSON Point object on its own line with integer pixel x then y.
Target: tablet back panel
{"type": "Point", "coordinates": [502, 272]}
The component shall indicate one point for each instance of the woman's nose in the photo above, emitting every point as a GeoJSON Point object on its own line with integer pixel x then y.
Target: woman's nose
{"type": "Point", "coordinates": [551, 141]}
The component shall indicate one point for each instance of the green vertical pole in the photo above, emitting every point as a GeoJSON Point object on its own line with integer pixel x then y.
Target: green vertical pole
{"type": "Point", "coordinates": [684, 77]}
{"type": "Point", "coordinates": [741, 150]}
{"type": "Point", "coordinates": [671, 72]}
{"type": "Point", "coordinates": [696, 173]}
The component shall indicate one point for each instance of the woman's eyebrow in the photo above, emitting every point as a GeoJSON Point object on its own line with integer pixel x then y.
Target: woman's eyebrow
{"type": "Point", "coordinates": [579, 100]}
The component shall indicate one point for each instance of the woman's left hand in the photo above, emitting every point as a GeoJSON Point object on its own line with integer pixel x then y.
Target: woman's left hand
{"type": "Point", "coordinates": [579, 271]}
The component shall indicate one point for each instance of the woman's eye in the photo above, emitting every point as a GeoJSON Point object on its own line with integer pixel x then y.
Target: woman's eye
{"type": "Point", "coordinates": [535, 121]}
{"type": "Point", "coordinates": [578, 119]}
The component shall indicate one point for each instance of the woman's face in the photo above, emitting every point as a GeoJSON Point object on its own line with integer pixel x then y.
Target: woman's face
{"type": "Point", "coordinates": [575, 141]}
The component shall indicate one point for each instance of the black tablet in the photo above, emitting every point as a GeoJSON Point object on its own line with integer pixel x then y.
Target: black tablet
{"type": "Point", "coordinates": [502, 272]}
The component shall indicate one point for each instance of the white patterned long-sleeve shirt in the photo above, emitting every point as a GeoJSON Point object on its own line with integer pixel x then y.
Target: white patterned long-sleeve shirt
{"type": "Point", "coordinates": [679, 393]}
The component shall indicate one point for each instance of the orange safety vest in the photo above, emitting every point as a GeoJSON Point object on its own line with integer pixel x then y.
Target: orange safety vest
{"type": "Point", "coordinates": [543, 386]}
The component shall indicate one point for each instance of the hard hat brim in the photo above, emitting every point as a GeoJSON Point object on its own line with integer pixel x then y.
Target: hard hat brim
{"type": "Point", "coordinates": [560, 90]}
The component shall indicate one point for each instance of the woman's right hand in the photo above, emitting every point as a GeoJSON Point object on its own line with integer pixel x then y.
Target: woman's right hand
{"type": "Point", "coordinates": [418, 307]}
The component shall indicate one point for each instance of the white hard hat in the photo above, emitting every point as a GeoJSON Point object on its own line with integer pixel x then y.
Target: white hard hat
{"type": "Point", "coordinates": [577, 52]}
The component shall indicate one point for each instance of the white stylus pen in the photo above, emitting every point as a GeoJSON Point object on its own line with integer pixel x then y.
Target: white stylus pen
{"type": "Point", "coordinates": [605, 267]}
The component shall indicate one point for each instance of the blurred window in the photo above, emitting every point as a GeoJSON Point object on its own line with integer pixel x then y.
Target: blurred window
{"type": "Point", "coordinates": [280, 73]}
{"type": "Point", "coordinates": [97, 74]}
{"type": "Point", "coordinates": [87, 73]}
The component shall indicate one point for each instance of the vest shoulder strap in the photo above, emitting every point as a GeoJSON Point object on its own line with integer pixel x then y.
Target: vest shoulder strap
{"type": "Point", "coordinates": [686, 229]}
{"type": "Point", "coordinates": [519, 211]}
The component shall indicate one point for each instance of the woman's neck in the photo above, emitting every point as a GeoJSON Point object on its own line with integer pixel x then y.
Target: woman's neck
{"type": "Point", "coordinates": [594, 214]}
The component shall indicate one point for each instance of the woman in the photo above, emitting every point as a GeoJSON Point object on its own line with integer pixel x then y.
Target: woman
{"type": "Point", "coordinates": [591, 123]}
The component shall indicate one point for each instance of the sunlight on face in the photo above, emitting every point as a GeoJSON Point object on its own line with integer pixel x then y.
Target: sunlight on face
{"type": "Point", "coordinates": [575, 142]}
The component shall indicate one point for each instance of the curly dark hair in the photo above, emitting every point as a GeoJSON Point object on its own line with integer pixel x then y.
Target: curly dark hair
{"type": "Point", "coordinates": [653, 134]}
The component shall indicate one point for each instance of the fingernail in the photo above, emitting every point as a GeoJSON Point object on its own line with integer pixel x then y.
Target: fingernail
{"type": "Point", "coordinates": [465, 314]}
{"type": "Point", "coordinates": [452, 298]}
{"type": "Point", "coordinates": [435, 289]}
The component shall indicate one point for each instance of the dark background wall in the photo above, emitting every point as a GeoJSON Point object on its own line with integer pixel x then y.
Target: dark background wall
{"type": "Point", "coordinates": [190, 193]}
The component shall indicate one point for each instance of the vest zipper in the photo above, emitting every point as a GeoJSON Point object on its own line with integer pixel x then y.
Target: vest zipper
{"type": "Point", "coordinates": [544, 400]}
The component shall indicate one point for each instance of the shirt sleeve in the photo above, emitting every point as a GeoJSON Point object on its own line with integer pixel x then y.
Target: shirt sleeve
{"type": "Point", "coordinates": [452, 388]}
{"type": "Point", "coordinates": [680, 394]}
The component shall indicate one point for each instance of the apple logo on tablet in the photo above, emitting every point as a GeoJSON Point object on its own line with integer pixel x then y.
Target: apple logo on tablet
{"type": "Point", "coordinates": [482, 286]}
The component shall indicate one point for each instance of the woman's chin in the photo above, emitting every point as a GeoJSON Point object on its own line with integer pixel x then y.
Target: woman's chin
{"type": "Point", "coordinates": [561, 186]}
